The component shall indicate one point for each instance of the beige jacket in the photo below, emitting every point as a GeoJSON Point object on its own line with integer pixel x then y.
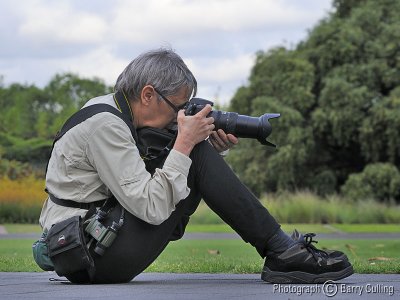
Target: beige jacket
{"type": "Point", "coordinates": [99, 157]}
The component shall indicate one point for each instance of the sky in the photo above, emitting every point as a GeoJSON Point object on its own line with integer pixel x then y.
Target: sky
{"type": "Point", "coordinates": [218, 39]}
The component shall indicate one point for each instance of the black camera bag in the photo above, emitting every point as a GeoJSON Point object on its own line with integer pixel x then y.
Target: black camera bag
{"type": "Point", "coordinates": [67, 247]}
{"type": "Point", "coordinates": [154, 145]}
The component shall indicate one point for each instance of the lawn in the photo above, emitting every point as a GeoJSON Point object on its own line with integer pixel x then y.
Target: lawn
{"type": "Point", "coordinates": [230, 256]}
{"type": "Point", "coordinates": [234, 256]}
{"type": "Point", "coordinates": [16, 256]}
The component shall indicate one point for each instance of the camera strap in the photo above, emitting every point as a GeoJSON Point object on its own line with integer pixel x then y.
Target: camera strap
{"type": "Point", "coordinates": [83, 114]}
{"type": "Point", "coordinates": [89, 111]}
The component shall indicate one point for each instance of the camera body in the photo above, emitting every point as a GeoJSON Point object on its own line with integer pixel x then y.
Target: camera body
{"type": "Point", "coordinates": [195, 105]}
{"type": "Point", "coordinates": [238, 125]}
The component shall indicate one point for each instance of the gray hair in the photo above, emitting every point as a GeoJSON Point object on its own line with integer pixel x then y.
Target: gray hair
{"type": "Point", "coordinates": [161, 68]}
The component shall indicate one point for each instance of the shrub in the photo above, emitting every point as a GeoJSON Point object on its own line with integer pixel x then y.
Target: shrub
{"type": "Point", "coordinates": [379, 181]}
{"type": "Point", "coordinates": [17, 213]}
{"type": "Point", "coordinates": [306, 207]}
{"type": "Point", "coordinates": [14, 169]}
{"type": "Point", "coordinates": [324, 183]}
{"type": "Point", "coordinates": [21, 200]}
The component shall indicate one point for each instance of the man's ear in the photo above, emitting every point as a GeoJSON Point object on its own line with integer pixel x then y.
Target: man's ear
{"type": "Point", "coordinates": [147, 95]}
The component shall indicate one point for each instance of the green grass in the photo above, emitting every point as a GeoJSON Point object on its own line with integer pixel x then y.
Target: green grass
{"type": "Point", "coordinates": [198, 256]}
{"type": "Point", "coordinates": [369, 256]}
{"type": "Point", "coordinates": [16, 256]}
{"type": "Point", "coordinates": [235, 256]}
{"type": "Point", "coordinates": [368, 228]}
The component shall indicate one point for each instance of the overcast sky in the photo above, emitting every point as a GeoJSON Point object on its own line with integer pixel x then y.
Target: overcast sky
{"type": "Point", "coordinates": [217, 39]}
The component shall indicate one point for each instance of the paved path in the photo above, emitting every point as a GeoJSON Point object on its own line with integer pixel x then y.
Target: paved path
{"type": "Point", "coordinates": [2, 230]}
{"type": "Point", "coordinates": [167, 286]}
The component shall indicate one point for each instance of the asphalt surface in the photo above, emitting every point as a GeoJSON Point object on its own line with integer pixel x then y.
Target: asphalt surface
{"type": "Point", "coordinates": [168, 286]}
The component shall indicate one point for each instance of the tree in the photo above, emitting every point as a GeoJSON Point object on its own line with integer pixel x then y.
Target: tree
{"type": "Point", "coordinates": [377, 180]}
{"type": "Point", "coordinates": [338, 93]}
{"type": "Point", "coordinates": [30, 117]}
{"type": "Point", "coordinates": [68, 93]}
{"type": "Point", "coordinates": [20, 106]}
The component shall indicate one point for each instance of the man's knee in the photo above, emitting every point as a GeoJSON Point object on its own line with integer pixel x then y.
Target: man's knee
{"type": "Point", "coordinates": [204, 151]}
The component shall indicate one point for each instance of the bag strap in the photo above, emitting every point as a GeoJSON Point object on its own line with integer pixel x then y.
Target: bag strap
{"type": "Point", "coordinates": [85, 113]}
{"type": "Point", "coordinates": [89, 111]}
{"type": "Point", "coordinates": [125, 113]}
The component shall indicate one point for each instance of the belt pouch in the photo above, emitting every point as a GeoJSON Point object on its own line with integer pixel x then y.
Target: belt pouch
{"type": "Point", "coordinates": [67, 247]}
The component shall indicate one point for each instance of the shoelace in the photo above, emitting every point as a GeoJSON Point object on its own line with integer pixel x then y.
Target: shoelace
{"type": "Point", "coordinates": [307, 241]}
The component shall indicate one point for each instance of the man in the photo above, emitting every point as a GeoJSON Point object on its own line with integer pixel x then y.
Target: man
{"type": "Point", "coordinates": [99, 158]}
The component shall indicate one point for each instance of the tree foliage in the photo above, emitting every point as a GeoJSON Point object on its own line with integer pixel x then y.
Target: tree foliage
{"type": "Point", "coordinates": [338, 93]}
{"type": "Point", "coordinates": [30, 116]}
{"type": "Point", "coordinates": [376, 181]}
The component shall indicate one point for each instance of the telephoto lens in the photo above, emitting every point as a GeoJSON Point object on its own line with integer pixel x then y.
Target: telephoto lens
{"type": "Point", "coordinates": [239, 125]}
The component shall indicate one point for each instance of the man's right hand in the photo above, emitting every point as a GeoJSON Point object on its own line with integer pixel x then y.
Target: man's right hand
{"type": "Point", "coordinates": [193, 129]}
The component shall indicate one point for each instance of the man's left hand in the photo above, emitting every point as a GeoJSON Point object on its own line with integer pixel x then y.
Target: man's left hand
{"type": "Point", "coordinates": [222, 141]}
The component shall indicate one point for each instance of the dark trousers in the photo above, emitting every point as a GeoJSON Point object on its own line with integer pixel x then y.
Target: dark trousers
{"type": "Point", "coordinates": [138, 243]}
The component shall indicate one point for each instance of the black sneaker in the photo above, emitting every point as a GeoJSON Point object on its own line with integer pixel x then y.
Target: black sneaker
{"type": "Point", "coordinates": [304, 263]}
{"type": "Point", "coordinates": [332, 253]}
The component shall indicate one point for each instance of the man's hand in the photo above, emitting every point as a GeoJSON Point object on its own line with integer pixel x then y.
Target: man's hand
{"type": "Point", "coordinates": [222, 141]}
{"type": "Point", "coordinates": [193, 129]}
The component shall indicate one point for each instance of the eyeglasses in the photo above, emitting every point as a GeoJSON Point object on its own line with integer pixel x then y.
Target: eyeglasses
{"type": "Point", "coordinates": [174, 107]}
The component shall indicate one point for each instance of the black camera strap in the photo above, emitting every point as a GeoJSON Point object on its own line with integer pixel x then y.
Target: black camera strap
{"type": "Point", "coordinates": [91, 110]}
{"type": "Point", "coordinates": [123, 105]}
{"type": "Point", "coordinates": [83, 114]}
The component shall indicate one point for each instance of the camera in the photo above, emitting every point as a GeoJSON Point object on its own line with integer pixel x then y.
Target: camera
{"type": "Point", "coordinates": [239, 125]}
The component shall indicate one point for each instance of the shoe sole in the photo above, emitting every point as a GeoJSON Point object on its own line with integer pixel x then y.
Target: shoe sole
{"type": "Point", "coordinates": [303, 277]}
